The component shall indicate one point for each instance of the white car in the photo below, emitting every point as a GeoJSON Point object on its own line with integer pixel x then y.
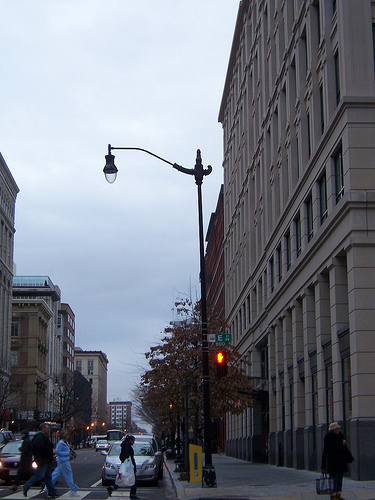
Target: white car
{"type": "Point", "coordinates": [102, 445]}
{"type": "Point", "coordinates": [145, 459]}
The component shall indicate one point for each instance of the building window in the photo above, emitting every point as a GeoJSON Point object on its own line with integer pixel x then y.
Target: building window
{"type": "Point", "coordinates": [308, 134]}
{"type": "Point", "coordinates": [272, 274]}
{"type": "Point", "coordinates": [264, 362]}
{"type": "Point", "coordinates": [279, 263]}
{"type": "Point", "coordinates": [13, 358]}
{"type": "Point", "coordinates": [297, 234]}
{"type": "Point", "coordinates": [14, 329]}
{"type": "Point", "coordinates": [288, 250]}
{"type": "Point", "coordinates": [339, 175]}
{"type": "Point", "coordinates": [309, 218]}
{"type": "Point", "coordinates": [248, 309]}
{"type": "Point", "coordinates": [317, 7]}
{"type": "Point", "coordinates": [347, 393]}
{"type": "Point", "coordinates": [297, 154]}
{"type": "Point", "coordinates": [321, 100]}
{"type": "Point", "coordinates": [79, 365]}
{"type": "Point", "coordinates": [337, 77]}
{"type": "Point", "coordinates": [315, 414]}
{"type": "Point", "coordinates": [329, 392]}
{"type": "Point", "coordinates": [90, 367]}
{"type": "Point", "coordinates": [323, 206]}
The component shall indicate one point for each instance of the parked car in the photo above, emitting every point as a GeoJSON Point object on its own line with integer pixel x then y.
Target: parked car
{"type": "Point", "coordinates": [10, 456]}
{"type": "Point", "coordinates": [145, 459]}
{"type": "Point", "coordinates": [102, 445]}
{"type": "Point", "coordinates": [5, 437]}
{"type": "Point", "coordinates": [18, 435]}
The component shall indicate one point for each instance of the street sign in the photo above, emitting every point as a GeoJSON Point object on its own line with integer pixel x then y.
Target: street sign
{"type": "Point", "coordinates": [219, 339]}
{"type": "Point", "coordinates": [45, 415]}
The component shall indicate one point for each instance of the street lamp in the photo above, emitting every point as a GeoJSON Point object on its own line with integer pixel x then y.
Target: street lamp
{"type": "Point", "coordinates": [110, 172]}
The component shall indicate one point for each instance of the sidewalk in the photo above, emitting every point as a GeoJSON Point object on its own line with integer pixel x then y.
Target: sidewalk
{"type": "Point", "coordinates": [241, 480]}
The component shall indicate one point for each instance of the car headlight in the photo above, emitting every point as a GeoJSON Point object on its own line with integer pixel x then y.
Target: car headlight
{"type": "Point", "coordinates": [34, 465]}
{"type": "Point", "coordinates": [110, 465]}
{"type": "Point", "coordinates": [1, 464]}
{"type": "Point", "coordinates": [149, 465]}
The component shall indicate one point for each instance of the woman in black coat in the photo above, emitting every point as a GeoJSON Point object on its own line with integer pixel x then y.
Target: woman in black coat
{"type": "Point", "coordinates": [335, 458]}
{"type": "Point", "coordinates": [26, 460]}
{"type": "Point", "coordinates": [127, 452]}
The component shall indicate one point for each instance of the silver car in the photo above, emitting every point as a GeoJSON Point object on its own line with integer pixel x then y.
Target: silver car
{"type": "Point", "coordinates": [145, 459]}
{"type": "Point", "coordinates": [149, 438]}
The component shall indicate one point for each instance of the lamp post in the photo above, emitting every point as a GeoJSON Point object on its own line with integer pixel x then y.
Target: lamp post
{"type": "Point", "coordinates": [110, 172]}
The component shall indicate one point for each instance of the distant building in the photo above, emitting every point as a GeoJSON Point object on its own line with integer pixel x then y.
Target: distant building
{"type": "Point", "coordinates": [93, 366]}
{"type": "Point", "coordinates": [66, 331]}
{"type": "Point", "coordinates": [8, 194]}
{"type": "Point", "coordinates": [215, 292]}
{"type": "Point", "coordinates": [42, 355]}
{"type": "Point", "coordinates": [29, 360]}
{"type": "Point", "coordinates": [119, 415]}
{"type": "Point", "coordinates": [83, 397]}
{"type": "Point", "coordinates": [214, 259]}
{"type": "Point", "coordinates": [298, 117]}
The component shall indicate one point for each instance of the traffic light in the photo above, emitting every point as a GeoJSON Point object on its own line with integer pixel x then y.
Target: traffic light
{"type": "Point", "coordinates": [221, 368]}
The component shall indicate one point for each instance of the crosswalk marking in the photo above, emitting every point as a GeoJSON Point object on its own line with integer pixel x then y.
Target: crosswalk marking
{"type": "Point", "coordinates": [34, 493]}
{"type": "Point", "coordinates": [83, 493]}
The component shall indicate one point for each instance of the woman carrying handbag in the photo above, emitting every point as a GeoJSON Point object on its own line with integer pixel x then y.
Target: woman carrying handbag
{"type": "Point", "coordinates": [335, 458]}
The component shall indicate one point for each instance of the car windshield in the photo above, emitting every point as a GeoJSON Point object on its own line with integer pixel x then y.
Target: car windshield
{"type": "Point", "coordinates": [143, 449]}
{"type": "Point", "coordinates": [12, 447]}
{"type": "Point", "coordinates": [101, 441]}
{"type": "Point", "coordinates": [140, 449]}
{"type": "Point", "coordinates": [115, 450]}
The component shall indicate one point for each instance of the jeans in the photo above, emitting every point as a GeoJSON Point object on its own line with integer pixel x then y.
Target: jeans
{"type": "Point", "coordinates": [43, 473]}
{"type": "Point", "coordinates": [337, 482]}
{"type": "Point", "coordinates": [64, 469]}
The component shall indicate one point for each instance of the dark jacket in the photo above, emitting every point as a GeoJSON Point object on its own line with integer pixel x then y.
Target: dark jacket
{"type": "Point", "coordinates": [42, 448]}
{"type": "Point", "coordinates": [126, 452]}
{"type": "Point", "coordinates": [26, 452]}
{"type": "Point", "coordinates": [334, 458]}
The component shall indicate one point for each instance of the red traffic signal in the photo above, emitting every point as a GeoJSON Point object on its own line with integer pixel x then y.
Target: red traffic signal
{"type": "Point", "coordinates": [221, 368]}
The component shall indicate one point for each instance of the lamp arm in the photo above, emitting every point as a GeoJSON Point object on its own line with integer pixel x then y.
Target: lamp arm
{"type": "Point", "coordinates": [189, 171]}
{"type": "Point", "coordinates": [145, 151]}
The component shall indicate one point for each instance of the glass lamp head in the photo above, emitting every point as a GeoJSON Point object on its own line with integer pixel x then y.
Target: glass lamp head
{"type": "Point", "coordinates": [110, 169]}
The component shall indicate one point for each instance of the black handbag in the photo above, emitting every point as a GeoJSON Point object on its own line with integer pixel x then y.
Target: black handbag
{"type": "Point", "coordinates": [324, 485]}
{"type": "Point", "coordinates": [348, 456]}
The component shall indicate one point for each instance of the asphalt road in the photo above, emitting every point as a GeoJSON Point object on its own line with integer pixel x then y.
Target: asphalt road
{"type": "Point", "coordinates": [87, 469]}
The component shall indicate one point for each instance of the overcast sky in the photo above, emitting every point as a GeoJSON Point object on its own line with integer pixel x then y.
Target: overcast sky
{"type": "Point", "coordinates": [75, 76]}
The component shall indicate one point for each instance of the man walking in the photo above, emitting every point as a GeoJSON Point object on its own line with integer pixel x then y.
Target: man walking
{"type": "Point", "coordinates": [43, 451]}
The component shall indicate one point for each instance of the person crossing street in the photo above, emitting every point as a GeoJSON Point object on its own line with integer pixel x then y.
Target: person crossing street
{"type": "Point", "coordinates": [43, 450]}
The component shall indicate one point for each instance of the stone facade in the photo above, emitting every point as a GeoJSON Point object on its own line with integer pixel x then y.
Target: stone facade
{"type": "Point", "coordinates": [8, 194]}
{"type": "Point", "coordinates": [37, 346]}
{"type": "Point", "coordinates": [298, 117]}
